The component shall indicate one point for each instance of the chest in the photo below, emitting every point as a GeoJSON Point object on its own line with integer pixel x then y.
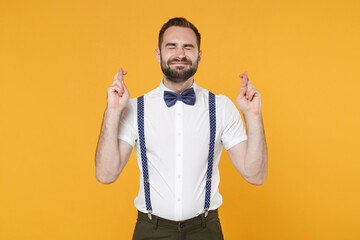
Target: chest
{"type": "Point", "coordinates": [183, 124]}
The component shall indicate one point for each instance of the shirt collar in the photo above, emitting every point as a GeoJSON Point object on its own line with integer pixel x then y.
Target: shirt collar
{"type": "Point", "coordinates": [164, 88]}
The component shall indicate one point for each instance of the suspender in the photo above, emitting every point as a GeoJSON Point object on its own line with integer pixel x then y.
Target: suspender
{"type": "Point", "coordinates": [140, 116]}
{"type": "Point", "coordinates": [212, 119]}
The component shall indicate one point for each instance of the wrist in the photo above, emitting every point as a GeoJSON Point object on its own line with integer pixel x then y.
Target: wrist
{"type": "Point", "coordinates": [113, 112]}
{"type": "Point", "coordinates": [252, 115]}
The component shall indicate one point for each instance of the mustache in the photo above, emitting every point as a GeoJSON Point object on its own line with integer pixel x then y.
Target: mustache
{"type": "Point", "coordinates": [177, 60]}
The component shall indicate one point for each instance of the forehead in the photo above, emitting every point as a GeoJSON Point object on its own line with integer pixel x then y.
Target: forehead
{"type": "Point", "coordinates": [180, 35]}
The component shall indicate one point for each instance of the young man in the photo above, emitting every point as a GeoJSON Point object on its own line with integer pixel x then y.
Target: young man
{"type": "Point", "coordinates": [178, 131]}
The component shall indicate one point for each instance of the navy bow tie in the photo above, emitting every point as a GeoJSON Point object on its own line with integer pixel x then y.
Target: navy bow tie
{"type": "Point", "coordinates": [188, 97]}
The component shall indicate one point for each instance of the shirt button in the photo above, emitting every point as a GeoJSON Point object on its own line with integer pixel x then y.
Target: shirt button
{"type": "Point", "coordinates": [179, 134]}
{"type": "Point", "coordinates": [179, 114]}
{"type": "Point", "coordinates": [179, 200]}
{"type": "Point", "coordinates": [179, 154]}
{"type": "Point", "coordinates": [179, 177]}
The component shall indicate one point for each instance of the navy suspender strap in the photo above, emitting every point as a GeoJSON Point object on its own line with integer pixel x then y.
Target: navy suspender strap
{"type": "Point", "coordinates": [140, 117]}
{"type": "Point", "coordinates": [212, 119]}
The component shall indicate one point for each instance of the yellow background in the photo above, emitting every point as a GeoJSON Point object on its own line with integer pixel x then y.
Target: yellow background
{"type": "Point", "coordinates": [58, 57]}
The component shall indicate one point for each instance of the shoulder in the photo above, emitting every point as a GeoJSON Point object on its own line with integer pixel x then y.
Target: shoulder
{"type": "Point", "coordinates": [222, 99]}
{"type": "Point", "coordinates": [224, 105]}
{"type": "Point", "coordinates": [130, 109]}
{"type": "Point", "coordinates": [132, 103]}
{"type": "Point", "coordinates": [153, 93]}
{"type": "Point", "coordinates": [205, 92]}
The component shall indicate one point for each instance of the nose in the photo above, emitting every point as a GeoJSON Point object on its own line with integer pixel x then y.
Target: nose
{"type": "Point", "coordinates": [180, 52]}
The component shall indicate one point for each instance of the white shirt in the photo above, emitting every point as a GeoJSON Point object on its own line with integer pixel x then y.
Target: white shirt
{"type": "Point", "coordinates": [177, 142]}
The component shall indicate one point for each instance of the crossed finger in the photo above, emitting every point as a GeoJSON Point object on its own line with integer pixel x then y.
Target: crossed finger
{"type": "Point", "coordinates": [119, 76]}
{"type": "Point", "coordinates": [251, 91]}
{"type": "Point", "coordinates": [244, 84]}
{"type": "Point", "coordinates": [247, 89]}
{"type": "Point", "coordinates": [118, 83]}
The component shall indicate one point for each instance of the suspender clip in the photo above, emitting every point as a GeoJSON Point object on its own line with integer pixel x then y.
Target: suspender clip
{"type": "Point", "coordinates": [206, 212]}
{"type": "Point", "coordinates": [208, 179]}
{"type": "Point", "coordinates": [146, 180]}
{"type": "Point", "coordinates": [149, 215]}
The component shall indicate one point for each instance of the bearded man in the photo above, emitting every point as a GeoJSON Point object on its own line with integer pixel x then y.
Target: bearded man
{"type": "Point", "coordinates": [178, 131]}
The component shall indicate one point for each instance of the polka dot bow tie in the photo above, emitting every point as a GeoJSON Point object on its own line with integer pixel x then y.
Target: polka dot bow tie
{"type": "Point", "coordinates": [188, 97]}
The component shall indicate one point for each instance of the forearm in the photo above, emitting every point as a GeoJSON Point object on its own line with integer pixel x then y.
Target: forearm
{"type": "Point", "coordinates": [255, 165]}
{"type": "Point", "coordinates": [107, 158]}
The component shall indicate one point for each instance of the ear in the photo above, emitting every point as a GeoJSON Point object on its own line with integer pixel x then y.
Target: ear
{"type": "Point", "coordinates": [200, 55]}
{"type": "Point", "coordinates": [158, 55]}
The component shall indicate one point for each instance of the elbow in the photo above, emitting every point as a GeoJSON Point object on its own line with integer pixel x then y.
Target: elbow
{"type": "Point", "coordinates": [105, 174]}
{"type": "Point", "coordinates": [105, 178]}
{"type": "Point", "coordinates": [257, 177]}
{"type": "Point", "coordinates": [257, 181]}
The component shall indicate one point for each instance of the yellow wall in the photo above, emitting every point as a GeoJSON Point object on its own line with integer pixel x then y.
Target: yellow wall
{"type": "Point", "coordinates": [58, 57]}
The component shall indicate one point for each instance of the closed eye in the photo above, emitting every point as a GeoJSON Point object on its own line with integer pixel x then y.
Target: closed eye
{"type": "Point", "coordinates": [189, 46]}
{"type": "Point", "coordinates": [170, 45]}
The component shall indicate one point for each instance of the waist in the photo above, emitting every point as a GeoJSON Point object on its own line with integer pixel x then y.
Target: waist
{"type": "Point", "coordinates": [195, 221]}
{"type": "Point", "coordinates": [170, 208]}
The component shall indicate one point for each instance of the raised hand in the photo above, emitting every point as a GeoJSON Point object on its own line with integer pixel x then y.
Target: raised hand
{"type": "Point", "coordinates": [117, 93]}
{"type": "Point", "coordinates": [248, 100]}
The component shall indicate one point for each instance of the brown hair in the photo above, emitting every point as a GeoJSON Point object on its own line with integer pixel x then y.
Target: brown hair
{"type": "Point", "coordinates": [178, 22]}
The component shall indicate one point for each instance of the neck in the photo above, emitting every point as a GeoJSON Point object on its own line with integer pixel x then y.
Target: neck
{"type": "Point", "coordinates": [178, 87]}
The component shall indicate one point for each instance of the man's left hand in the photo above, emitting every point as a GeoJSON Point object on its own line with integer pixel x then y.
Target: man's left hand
{"type": "Point", "coordinates": [248, 100]}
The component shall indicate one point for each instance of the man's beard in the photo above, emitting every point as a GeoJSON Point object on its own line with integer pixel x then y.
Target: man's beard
{"type": "Point", "coordinates": [180, 74]}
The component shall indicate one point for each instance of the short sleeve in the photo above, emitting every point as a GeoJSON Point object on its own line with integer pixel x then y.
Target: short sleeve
{"type": "Point", "coordinates": [233, 127]}
{"type": "Point", "coordinates": [128, 123]}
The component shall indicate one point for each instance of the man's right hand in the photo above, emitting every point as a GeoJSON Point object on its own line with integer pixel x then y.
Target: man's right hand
{"type": "Point", "coordinates": [117, 93]}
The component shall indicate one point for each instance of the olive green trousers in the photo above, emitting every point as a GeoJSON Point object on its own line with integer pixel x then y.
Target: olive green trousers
{"type": "Point", "coordinates": [196, 228]}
